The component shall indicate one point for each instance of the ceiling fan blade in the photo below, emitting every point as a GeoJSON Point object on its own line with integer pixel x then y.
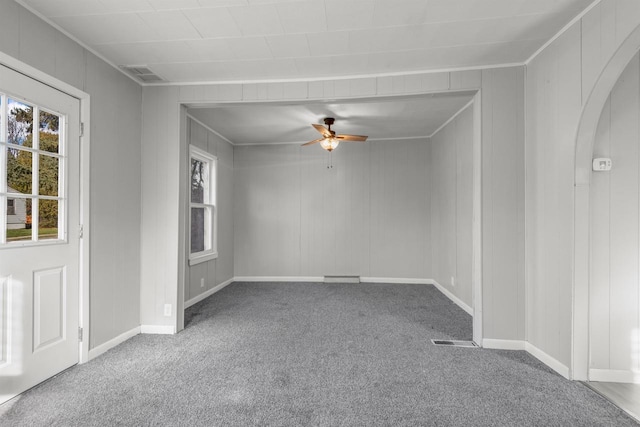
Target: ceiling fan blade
{"type": "Point", "coordinates": [312, 142]}
{"type": "Point", "coordinates": [323, 130]}
{"type": "Point", "coordinates": [352, 137]}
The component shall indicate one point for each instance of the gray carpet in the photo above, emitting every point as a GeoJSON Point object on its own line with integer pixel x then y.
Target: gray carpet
{"type": "Point", "coordinates": [296, 354]}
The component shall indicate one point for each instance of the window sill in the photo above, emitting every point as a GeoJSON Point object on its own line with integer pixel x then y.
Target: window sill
{"type": "Point", "coordinates": [200, 258]}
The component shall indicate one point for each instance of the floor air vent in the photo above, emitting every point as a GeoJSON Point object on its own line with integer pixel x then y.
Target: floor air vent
{"type": "Point", "coordinates": [341, 279]}
{"type": "Point", "coordinates": [453, 343]}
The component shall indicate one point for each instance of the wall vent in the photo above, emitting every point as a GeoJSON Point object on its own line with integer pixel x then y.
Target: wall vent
{"type": "Point", "coordinates": [454, 343]}
{"type": "Point", "coordinates": [341, 279]}
{"type": "Point", "coordinates": [143, 73]}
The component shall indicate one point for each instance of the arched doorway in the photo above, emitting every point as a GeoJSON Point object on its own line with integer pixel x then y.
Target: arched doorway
{"type": "Point", "coordinates": [582, 240]}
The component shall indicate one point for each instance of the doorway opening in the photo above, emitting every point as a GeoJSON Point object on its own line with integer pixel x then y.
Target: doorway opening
{"type": "Point", "coordinates": [190, 288]}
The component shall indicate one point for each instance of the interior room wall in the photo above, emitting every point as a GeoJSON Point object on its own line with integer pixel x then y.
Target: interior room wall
{"type": "Point", "coordinates": [615, 236]}
{"type": "Point", "coordinates": [451, 179]}
{"type": "Point", "coordinates": [116, 103]}
{"type": "Point", "coordinates": [160, 252]}
{"type": "Point", "coordinates": [367, 216]}
{"type": "Point", "coordinates": [559, 81]}
{"type": "Point", "coordinates": [219, 270]}
{"type": "Point", "coordinates": [503, 197]}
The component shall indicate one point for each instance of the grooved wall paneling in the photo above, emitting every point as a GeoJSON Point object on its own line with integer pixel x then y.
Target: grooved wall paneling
{"type": "Point", "coordinates": [615, 220]}
{"type": "Point", "coordinates": [220, 269]}
{"type": "Point", "coordinates": [503, 203]}
{"type": "Point", "coordinates": [367, 216]}
{"type": "Point", "coordinates": [451, 179]}
{"type": "Point", "coordinates": [558, 83]}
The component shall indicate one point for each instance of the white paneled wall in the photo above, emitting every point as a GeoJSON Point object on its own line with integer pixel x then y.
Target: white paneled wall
{"type": "Point", "coordinates": [451, 167]}
{"type": "Point", "coordinates": [115, 201]}
{"type": "Point", "coordinates": [615, 238]}
{"type": "Point", "coordinates": [366, 216]}
{"type": "Point", "coordinates": [399, 202]}
{"type": "Point", "coordinates": [267, 209]}
{"type": "Point", "coordinates": [558, 83]}
{"type": "Point", "coordinates": [503, 198]}
{"type": "Point", "coordinates": [160, 207]}
{"type": "Point", "coordinates": [219, 270]}
{"type": "Point", "coordinates": [116, 104]}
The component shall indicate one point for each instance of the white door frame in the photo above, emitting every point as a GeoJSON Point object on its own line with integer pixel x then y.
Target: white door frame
{"type": "Point", "coordinates": [585, 139]}
{"type": "Point", "coordinates": [84, 248]}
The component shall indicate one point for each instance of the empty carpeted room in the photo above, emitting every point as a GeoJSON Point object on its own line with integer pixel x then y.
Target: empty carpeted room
{"type": "Point", "coordinates": [319, 212]}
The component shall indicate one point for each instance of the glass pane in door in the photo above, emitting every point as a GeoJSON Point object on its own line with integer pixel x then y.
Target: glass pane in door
{"type": "Point", "coordinates": [48, 133]}
{"type": "Point", "coordinates": [48, 219]}
{"type": "Point", "coordinates": [19, 171]}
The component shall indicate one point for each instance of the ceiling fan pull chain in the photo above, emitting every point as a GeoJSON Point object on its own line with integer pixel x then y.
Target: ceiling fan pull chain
{"type": "Point", "coordinates": [330, 164]}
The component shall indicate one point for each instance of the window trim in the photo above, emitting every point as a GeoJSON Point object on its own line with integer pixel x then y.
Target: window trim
{"type": "Point", "coordinates": [212, 252]}
{"type": "Point", "coordinates": [35, 196]}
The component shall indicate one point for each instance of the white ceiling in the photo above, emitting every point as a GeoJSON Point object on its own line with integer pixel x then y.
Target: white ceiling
{"type": "Point", "coordinates": [189, 41]}
{"type": "Point", "coordinates": [380, 119]}
{"type": "Point", "coordinates": [253, 40]}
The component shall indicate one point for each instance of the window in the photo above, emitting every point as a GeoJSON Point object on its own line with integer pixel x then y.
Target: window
{"type": "Point", "coordinates": [202, 206]}
{"type": "Point", "coordinates": [31, 162]}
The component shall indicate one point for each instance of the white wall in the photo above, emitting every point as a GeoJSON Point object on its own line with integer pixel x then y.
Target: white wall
{"type": "Point", "coordinates": [161, 231]}
{"type": "Point", "coordinates": [558, 83]}
{"type": "Point", "coordinates": [503, 198]}
{"type": "Point", "coordinates": [615, 237]}
{"type": "Point", "coordinates": [451, 178]}
{"type": "Point", "coordinates": [219, 270]}
{"type": "Point", "coordinates": [115, 163]}
{"type": "Point", "coordinates": [115, 201]}
{"type": "Point", "coordinates": [367, 216]}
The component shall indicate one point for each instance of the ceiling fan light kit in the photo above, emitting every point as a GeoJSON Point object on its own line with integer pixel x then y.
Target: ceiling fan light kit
{"type": "Point", "coordinates": [330, 140]}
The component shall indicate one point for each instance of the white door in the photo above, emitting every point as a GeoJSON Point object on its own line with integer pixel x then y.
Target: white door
{"type": "Point", "coordinates": [39, 232]}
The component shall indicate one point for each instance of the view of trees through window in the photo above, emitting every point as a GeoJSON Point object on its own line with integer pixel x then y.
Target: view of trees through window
{"type": "Point", "coordinates": [198, 173]}
{"type": "Point", "coordinates": [202, 200]}
{"type": "Point", "coordinates": [28, 155]}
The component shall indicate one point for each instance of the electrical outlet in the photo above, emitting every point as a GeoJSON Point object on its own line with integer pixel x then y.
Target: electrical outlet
{"type": "Point", "coordinates": [202, 282]}
{"type": "Point", "coordinates": [167, 310]}
{"type": "Point", "coordinates": [453, 281]}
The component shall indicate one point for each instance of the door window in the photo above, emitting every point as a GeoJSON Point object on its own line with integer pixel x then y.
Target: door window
{"type": "Point", "coordinates": [31, 184]}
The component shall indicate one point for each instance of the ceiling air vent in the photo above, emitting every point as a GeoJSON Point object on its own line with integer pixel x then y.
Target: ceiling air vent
{"type": "Point", "coordinates": [143, 73]}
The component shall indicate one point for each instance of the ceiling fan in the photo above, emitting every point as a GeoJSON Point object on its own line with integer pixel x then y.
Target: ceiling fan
{"type": "Point", "coordinates": [330, 140]}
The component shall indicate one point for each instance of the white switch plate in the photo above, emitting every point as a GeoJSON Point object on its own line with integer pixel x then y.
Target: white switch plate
{"type": "Point", "coordinates": [202, 282]}
{"type": "Point", "coordinates": [167, 309]}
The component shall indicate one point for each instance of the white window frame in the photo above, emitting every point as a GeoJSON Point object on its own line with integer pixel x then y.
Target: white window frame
{"type": "Point", "coordinates": [211, 212]}
{"type": "Point", "coordinates": [35, 196]}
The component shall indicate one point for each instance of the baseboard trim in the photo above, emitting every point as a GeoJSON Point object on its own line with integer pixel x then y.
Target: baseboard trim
{"type": "Point", "coordinates": [614, 376]}
{"type": "Point", "coordinates": [208, 293]}
{"type": "Point", "coordinates": [399, 280]}
{"type": "Point", "coordinates": [412, 281]}
{"type": "Point", "coordinates": [453, 298]}
{"type": "Point", "coordinates": [278, 279]}
{"type": "Point", "coordinates": [503, 344]}
{"type": "Point", "coordinates": [104, 347]}
{"type": "Point", "coordinates": [547, 360]}
{"type": "Point", "coordinates": [529, 348]}
{"type": "Point", "coordinates": [158, 329]}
